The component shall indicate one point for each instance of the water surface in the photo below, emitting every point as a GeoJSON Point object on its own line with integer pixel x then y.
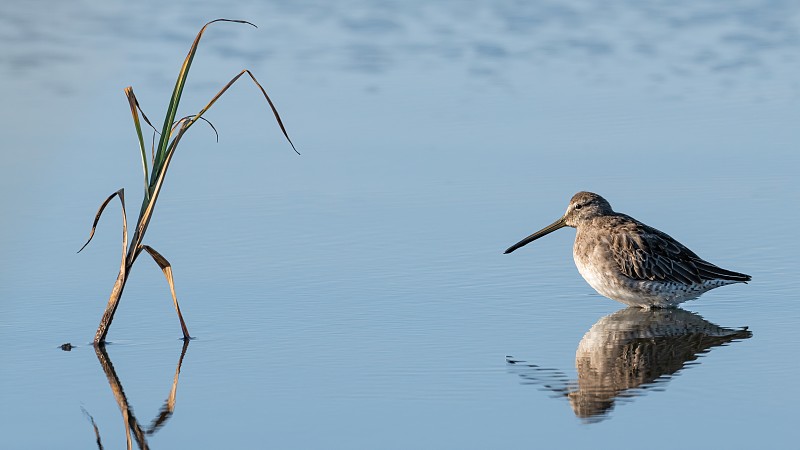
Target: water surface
{"type": "Point", "coordinates": [357, 296]}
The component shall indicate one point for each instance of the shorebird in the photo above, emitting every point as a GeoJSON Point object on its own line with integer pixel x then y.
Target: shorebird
{"type": "Point", "coordinates": [630, 262]}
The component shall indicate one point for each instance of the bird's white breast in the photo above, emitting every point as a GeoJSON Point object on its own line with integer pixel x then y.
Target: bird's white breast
{"type": "Point", "coordinates": [601, 271]}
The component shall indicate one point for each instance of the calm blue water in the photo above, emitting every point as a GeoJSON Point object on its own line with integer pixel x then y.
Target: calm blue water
{"type": "Point", "coordinates": [357, 296]}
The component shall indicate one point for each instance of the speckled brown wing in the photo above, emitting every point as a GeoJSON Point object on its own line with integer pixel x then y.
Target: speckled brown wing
{"type": "Point", "coordinates": [645, 253]}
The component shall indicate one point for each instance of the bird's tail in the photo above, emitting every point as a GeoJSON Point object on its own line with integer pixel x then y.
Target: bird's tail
{"type": "Point", "coordinates": [710, 271]}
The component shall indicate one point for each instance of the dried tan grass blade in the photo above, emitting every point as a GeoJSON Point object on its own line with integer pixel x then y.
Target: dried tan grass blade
{"type": "Point", "coordinates": [121, 194]}
{"type": "Point", "coordinates": [167, 269]}
{"type": "Point", "coordinates": [263, 92]}
{"type": "Point", "coordinates": [189, 118]}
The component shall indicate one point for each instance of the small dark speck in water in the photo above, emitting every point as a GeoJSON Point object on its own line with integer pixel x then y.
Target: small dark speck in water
{"type": "Point", "coordinates": [67, 347]}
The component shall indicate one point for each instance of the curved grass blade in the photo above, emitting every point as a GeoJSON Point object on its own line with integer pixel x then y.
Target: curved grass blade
{"type": "Point", "coordinates": [122, 277]}
{"type": "Point", "coordinates": [167, 269]}
{"type": "Point", "coordinates": [179, 124]}
{"type": "Point", "coordinates": [274, 110]}
{"type": "Point", "coordinates": [121, 194]}
{"type": "Point", "coordinates": [155, 131]}
{"type": "Point", "coordinates": [144, 116]}
{"type": "Point", "coordinates": [263, 91]}
{"type": "Point", "coordinates": [191, 117]}
{"type": "Point", "coordinates": [141, 111]}
{"type": "Point", "coordinates": [172, 109]}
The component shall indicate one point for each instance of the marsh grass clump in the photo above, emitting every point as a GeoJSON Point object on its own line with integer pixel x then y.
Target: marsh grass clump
{"type": "Point", "coordinates": [155, 169]}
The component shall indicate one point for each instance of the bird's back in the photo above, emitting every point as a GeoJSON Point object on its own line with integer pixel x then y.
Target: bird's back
{"type": "Point", "coordinates": [634, 263]}
{"type": "Point", "coordinates": [645, 253]}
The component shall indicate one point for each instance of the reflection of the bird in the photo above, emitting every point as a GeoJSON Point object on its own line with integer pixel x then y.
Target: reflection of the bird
{"type": "Point", "coordinates": [131, 423]}
{"type": "Point", "coordinates": [627, 352]}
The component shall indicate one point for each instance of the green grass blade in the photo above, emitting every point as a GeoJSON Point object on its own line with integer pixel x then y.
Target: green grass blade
{"type": "Point", "coordinates": [172, 109]}
{"type": "Point", "coordinates": [155, 132]}
{"type": "Point", "coordinates": [146, 212]}
{"type": "Point", "coordinates": [135, 113]}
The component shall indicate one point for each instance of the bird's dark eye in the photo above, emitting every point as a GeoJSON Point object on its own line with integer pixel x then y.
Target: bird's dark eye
{"type": "Point", "coordinates": [579, 206]}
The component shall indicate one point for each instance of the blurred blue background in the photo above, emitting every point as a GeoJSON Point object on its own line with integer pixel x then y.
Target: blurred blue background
{"type": "Point", "coordinates": [357, 296]}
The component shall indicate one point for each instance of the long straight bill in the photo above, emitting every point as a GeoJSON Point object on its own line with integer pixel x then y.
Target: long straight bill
{"type": "Point", "coordinates": [560, 223]}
